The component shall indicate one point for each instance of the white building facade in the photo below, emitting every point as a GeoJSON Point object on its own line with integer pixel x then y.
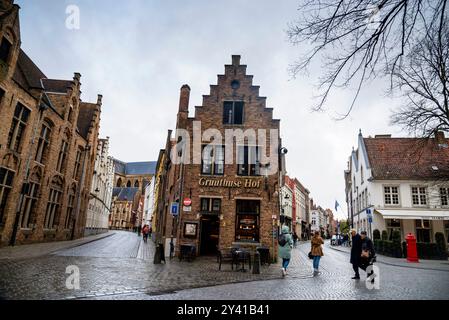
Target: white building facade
{"type": "Point", "coordinates": [100, 201]}
{"type": "Point", "coordinates": [403, 183]}
{"type": "Point", "coordinates": [317, 219]}
{"type": "Point", "coordinates": [286, 206]}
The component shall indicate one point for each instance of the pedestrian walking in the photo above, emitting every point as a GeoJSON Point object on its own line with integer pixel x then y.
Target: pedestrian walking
{"type": "Point", "coordinates": [285, 248]}
{"type": "Point", "coordinates": [356, 253]}
{"type": "Point", "coordinates": [316, 251]}
{"type": "Point", "coordinates": [145, 233]}
{"type": "Point", "coordinates": [295, 239]}
{"type": "Point", "coordinates": [368, 256]}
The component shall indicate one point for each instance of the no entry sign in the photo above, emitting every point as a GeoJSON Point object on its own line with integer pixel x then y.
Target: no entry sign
{"type": "Point", "coordinates": [187, 202]}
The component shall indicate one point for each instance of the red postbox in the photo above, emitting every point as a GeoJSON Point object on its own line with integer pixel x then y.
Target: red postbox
{"type": "Point", "coordinates": [412, 252]}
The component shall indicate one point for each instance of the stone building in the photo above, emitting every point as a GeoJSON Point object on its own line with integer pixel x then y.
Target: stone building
{"type": "Point", "coordinates": [130, 180]}
{"type": "Point", "coordinates": [133, 174]}
{"type": "Point", "coordinates": [125, 203]}
{"type": "Point", "coordinates": [101, 191]}
{"type": "Point", "coordinates": [48, 139]}
{"type": "Point", "coordinates": [220, 194]}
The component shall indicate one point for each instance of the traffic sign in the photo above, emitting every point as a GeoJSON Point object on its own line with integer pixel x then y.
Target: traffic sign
{"type": "Point", "coordinates": [175, 208]}
{"type": "Point", "coordinates": [187, 202]}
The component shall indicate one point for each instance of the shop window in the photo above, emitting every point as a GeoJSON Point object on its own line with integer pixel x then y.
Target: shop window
{"type": "Point", "coordinates": [210, 205]}
{"type": "Point", "coordinates": [5, 49]}
{"type": "Point", "coordinates": [18, 126]}
{"type": "Point", "coordinates": [393, 225]}
{"type": "Point", "coordinates": [423, 231]}
{"type": "Point", "coordinates": [213, 160]}
{"type": "Point", "coordinates": [391, 195]}
{"type": "Point", "coordinates": [233, 112]}
{"type": "Point", "coordinates": [247, 220]}
{"type": "Point", "coordinates": [444, 195]}
{"type": "Point", "coordinates": [419, 196]}
{"type": "Point", "coordinates": [248, 160]}
{"type": "Point", "coordinates": [6, 178]}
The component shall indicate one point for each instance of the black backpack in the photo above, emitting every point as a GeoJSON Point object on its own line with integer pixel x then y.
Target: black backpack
{"type": "Point", "coordinates": [282, 240]}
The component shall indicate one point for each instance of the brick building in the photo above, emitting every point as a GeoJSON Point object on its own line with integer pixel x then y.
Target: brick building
{"type": "Point", "coordinates": [48, 139]}
{"type": "Point", "coordinates": [222, 203]}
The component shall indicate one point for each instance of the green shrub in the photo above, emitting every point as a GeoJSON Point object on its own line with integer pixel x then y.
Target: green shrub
{"type": "Point", "coordinates": [428, 251]}
{"type": "Point", "coordinates": [384, 235]}
{"type": "Point", "coordinates": [396, 236]}
{"type": "Point", "coordinates": [376, 234]}
{"type": "Point", "coordinates": [441, 245]}
{"type": "Point", "coordinates": [377, 245]}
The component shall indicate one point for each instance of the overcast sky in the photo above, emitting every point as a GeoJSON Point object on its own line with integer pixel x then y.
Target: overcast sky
{"type": "Point", "coordinates": [138, 53]}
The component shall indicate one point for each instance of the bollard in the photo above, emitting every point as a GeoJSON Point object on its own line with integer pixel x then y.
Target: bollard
{"type": "Point", "coordinates": [256, 264]}
{"type": "Point", "coordinates": [162, 252]}
{"type": "Point", "coordinates": [157, 255]}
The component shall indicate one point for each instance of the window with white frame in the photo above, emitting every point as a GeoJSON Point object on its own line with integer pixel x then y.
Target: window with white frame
{"type": "Point", "coordinates": [419, 196]}
{"type": "Point", "coordinates": [444, 196]}
{"type": "Point", "coordinates": [391, 195]}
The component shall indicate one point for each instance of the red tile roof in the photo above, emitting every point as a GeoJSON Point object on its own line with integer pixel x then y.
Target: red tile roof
{"type": "Point", "coordinates": [408, 158]}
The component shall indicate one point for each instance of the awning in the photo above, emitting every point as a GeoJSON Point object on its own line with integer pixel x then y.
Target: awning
{"type": "Point", "coordinates": [414, 214]}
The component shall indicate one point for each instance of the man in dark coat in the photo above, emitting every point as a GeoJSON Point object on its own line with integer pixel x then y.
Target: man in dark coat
{"type": "Point", "coordinates": [356, 253]}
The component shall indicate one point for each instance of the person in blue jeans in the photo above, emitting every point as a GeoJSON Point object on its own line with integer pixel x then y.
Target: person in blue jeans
{"type": "Point", "coordinates": [317, 252]}
{"type": "Point", "coordinates": [285, 248]}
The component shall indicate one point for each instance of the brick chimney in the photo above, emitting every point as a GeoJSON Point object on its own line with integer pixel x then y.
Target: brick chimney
{"type": "Point", "coordinates": [183, 112]}
{"type": "Point", "coordinates": [184, 99]}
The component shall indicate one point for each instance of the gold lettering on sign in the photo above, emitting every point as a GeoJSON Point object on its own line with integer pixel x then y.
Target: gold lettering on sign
{"type": "Point", "coordinates": [226, 183]}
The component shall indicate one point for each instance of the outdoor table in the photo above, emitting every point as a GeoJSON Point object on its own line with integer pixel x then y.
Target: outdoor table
{"type": "Point", "coordinates": [241, 256]}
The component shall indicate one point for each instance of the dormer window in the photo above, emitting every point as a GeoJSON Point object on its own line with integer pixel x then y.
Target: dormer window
{"type": "Point", "coordinates": [5, 49]}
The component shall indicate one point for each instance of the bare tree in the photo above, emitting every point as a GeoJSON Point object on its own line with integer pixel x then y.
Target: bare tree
{"type": "Point", "coordinates": [359, 40]}
{"type": "Point", "coordinates": [424, 81]}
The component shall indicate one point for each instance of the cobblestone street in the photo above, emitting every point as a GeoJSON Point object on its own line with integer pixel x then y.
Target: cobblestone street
{"type": "Point", "coordinates": [120, 266]}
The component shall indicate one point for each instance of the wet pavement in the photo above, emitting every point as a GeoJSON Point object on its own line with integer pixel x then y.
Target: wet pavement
{"type": "Point", "coordinates": [120, 267]}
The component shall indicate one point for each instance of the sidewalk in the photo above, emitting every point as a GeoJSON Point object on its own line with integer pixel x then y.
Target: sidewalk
{"type": "Point", "coordinates": [438, 265]}
{"type": "Point", "coordinates": [42, 249]}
